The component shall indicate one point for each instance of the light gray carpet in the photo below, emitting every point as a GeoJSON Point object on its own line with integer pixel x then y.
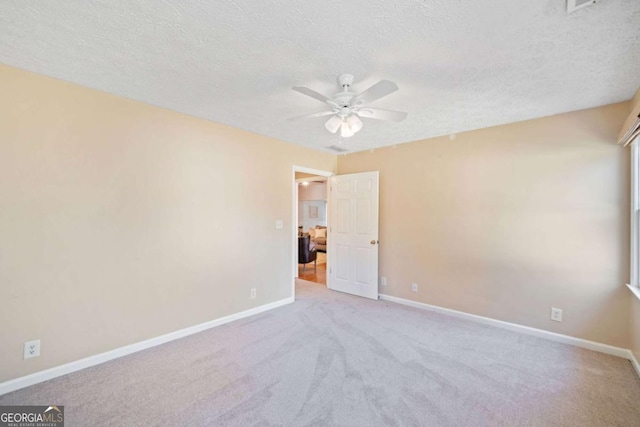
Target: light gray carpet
{"type": "Point", "coordinates": [334, 359]}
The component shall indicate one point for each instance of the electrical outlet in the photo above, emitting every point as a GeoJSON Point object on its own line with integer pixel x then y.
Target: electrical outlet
{"type": "Point", "coordinates": [556, 314]}
{"type": "Point", "coordinates": [253, 293]}
{"type": "Point", "coordinates": [383, 281]}
{"type": "Point", "coordinates": [414, 287]}
{"type": "Point", "coordinates": [31, 349]}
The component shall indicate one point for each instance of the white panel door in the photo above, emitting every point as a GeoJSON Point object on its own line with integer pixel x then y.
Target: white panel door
{"type": "Point", "coordinates": [353, 234]}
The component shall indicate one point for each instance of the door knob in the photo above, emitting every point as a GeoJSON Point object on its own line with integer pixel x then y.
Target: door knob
{"type": "Point", "coordinates": [373, 242]}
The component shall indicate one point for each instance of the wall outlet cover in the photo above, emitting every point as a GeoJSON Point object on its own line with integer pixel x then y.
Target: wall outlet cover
{"type": "Point", "coordinates": [31, 349]}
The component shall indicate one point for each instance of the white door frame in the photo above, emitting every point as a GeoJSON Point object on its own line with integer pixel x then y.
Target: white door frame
{"type": "Point", "coordinates": [294, 219]}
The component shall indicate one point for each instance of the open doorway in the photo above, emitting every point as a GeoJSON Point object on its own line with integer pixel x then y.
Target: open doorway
{"type": "Point", "coordinates": [312, 227]}
{"type": "Point", "coordinates": [312, 211]}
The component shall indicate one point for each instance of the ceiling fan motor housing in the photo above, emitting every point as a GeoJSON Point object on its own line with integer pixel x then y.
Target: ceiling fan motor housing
{"type": "Point", "coordinates": [343, 99]}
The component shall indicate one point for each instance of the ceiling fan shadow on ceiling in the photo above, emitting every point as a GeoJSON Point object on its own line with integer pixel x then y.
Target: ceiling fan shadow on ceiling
{"type": "Point", "coordinates": [348, 107]}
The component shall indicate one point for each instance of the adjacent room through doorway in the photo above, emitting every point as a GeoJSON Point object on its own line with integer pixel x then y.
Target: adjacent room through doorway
{"type": "Point", "coordinates": [312, 227]}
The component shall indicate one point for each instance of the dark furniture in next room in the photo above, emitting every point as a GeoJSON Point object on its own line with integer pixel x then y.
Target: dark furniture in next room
{"type": "Point", "coordinates": [306, 253]}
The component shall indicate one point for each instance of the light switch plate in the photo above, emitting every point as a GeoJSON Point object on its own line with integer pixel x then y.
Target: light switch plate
{"type": "Point", "coordinates": [279, 224]}
{"type": "Point", "coordinates": [556, 314]}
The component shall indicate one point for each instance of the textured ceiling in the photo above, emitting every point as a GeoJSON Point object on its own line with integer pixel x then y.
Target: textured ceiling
{"type": "Point", "coordinates": [460, 65]}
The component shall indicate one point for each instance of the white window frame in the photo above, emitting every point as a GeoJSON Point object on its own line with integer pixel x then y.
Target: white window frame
{"type": "Point", "coordinates": [635, 214]}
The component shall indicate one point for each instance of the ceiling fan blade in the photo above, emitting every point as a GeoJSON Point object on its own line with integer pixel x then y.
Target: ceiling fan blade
{"type": "Point", "coordinates": [377, 91]}
{"type": "Point", "coordinates": [309, 116]}
{"type": "Point", "coordinates": [379, 114]}
{"type": "Point", "coordinates": [317, 95]}
{"type": "Point", "coordinates": [333, 124]}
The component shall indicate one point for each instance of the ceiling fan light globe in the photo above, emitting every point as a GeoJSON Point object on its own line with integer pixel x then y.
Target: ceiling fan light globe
{"type": "Point", "coordinates": [345, 130]}
{"type": "Point", "coordinates": [333, 124]}
{"type": "Point", "coordinates": [354, 122]}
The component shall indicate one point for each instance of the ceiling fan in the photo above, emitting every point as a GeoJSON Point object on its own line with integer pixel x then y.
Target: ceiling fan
{"type": "Point", "coordinates": [348, 107]}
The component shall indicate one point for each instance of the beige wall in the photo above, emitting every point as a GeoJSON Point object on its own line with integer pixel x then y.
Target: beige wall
{"type": "Point", "coordinates": [313, 191]}
{"type": "Point", "coordinates": [510, 221]}
{"type": "Point", "coordinates": [120, 221]}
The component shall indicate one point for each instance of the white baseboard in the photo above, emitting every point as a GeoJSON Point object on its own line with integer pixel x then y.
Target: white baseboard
{"type": "Point", "coordinates": [540, 333]}
{"type": "Point", "coordinates": [38, 377]}
{"type": "Point", "coordinates": [635, 363]}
